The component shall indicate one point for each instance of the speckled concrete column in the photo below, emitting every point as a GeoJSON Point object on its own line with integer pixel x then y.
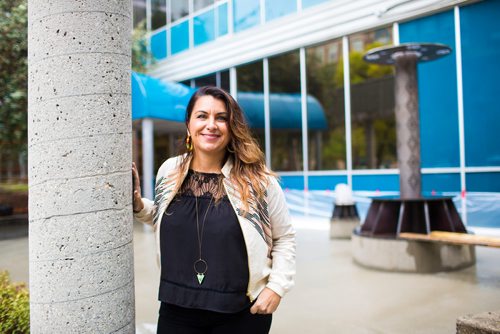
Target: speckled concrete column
{"type": "Point", "coordinates": [407, 124]}
{"type": "Point", "coordinates": [80, 153]}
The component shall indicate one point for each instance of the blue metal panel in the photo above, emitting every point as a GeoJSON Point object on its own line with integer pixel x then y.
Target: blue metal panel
{"type": "Point", "coordinates": [437, 91]}
{"type": "Point", "coordinates": [325, 182]}
{"type": "Point", "coordinates": [292, 182]}
{"type": "Point", "coordinates": [440, 183]}
{"type": "Point", "coordinates": [375, 182]}
{"type": "Point", "coordinates": [204, 27]}
{"type": "Point", "coordinates": [180, 37]}
{"type": "Point", "coordinates": [278, 8]}
{"type": "Point", "coordinates": [483, 182]}
{"type": "Point", "coordinates": [480, 28]}
{"type": "Point", "coordinates": [159, 45]}
{"type": "Point", "coordinates": [309, 3]}
{"type": "Point", "coordinates": [222, 20]}
{"type": "Point", "coordinates": [246, 14]}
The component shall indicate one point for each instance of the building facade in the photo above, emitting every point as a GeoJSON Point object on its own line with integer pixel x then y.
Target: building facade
{"type": "Point", "coordinates": [287, 53]}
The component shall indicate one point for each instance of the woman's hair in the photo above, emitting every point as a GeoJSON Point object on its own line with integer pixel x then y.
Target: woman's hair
{"type": "Point", "coordinates": [249, 167]}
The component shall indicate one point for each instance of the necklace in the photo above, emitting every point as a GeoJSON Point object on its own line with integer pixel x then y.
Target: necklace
{"type": "Point", "coordinates": [200, 266]}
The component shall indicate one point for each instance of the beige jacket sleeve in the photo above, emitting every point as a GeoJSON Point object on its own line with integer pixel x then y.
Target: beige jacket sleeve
{"type": "Point", "coordinates": [281, 279]}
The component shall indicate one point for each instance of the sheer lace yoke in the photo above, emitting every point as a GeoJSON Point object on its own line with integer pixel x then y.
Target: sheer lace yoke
{"type": "Point", "coordinates": [203, 185]}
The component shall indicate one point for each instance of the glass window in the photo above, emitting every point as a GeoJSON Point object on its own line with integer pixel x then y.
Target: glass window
{"type": "Point", "coordinates": [139, 10]}
{"type": "Point", "coordinates": [286, 112]}
{"type": "Point", "coordinates": [158, 13]}
{"type": "Point", "coordinates": [204, 27]}
{"type": "Point", "coordinates": [251, 98]}
{"type": "Point", "coordinates": [246, 14]}
{"type": "Point", "coordinates": [437, 89]}
{"type": "Point", "coordinates": [224, 80]}
{"type": "Point", "coordinates": [278, 8]}
{"type": "Point", "coordinates": [480, 29]}
{"type": "Point", "coordinates": [159, 45]}
{"type": "Point", "coordinates": [200, 4]}
{"type": "Point", "coordinates": [325, 107]}
{"type": "Point", "coordinates": [206, 80]}
{"type": "Point", "coordinates": [222, 20]}
{"type": "Point", "coordinates": [180, 9]}
{"type": "Point", "coordinates": [309, 3]}
{"type": "Point", "coordinates": [180, 37]}
{"type": "Point", "coordinates": [373, 129]}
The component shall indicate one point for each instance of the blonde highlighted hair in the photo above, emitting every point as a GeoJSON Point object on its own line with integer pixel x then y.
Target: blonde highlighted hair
{"type": "Point", "coordinates": [249, 170]}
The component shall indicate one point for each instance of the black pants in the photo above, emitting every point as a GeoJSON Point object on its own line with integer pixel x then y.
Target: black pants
{"type": "Point", "coordinates": [178, 320]}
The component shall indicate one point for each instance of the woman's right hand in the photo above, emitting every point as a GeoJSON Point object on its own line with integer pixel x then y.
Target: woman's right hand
{"type": "Point", "coordinates": [137, 204]}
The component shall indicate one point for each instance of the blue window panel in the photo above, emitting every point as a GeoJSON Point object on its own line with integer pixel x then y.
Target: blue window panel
{"type": "Point", "coordinates": [204, 27]}
{"type": "Point", "coordinates": [222, 20]}
{"type": "Point", "coordinates": [326, 182]}
{"type": "Point", "coordinates": [375, 182]}
{"type": "Point", "coordinates": [180, 37]}
{"type": "Point", "coordinates": [246, 14]}
{"type": "Point", "coordinates": [440, 183]}
{"type": "Point", "coordinates": [480, 29]}
{"type": "Point", "coordinates": [309, 3]}
{"type": "Point", "coordinates": [159, 45]}
{"type": "Point", "coordinates": [278, 8]}
{"type": "Point", "coordinates": [489, 182]}
{"type": "Point", "coordinates": [437, 85]}
{"type": "Point", "coordinates": [292, 182]}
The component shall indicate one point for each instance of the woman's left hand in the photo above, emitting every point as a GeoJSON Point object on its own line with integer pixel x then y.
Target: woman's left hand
{"type": "Point", "coordinates": [267, 302]}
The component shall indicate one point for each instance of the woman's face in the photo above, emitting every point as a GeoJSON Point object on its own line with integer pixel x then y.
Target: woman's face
{"type": "Point", "coordinates": [208, 126]}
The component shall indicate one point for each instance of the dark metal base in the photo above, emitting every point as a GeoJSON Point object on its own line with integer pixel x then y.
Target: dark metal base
{"type": "Point", "coordinates": [345, 211]}
{"type": "Point", "coordinates": [388, 216]}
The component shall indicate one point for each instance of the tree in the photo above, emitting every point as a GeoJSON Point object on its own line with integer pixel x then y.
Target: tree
{"type": "Point", "coordinates": [13, 78]}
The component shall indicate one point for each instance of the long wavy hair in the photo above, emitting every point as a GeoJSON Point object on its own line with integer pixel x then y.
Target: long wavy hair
{"type": "Point", "coordinates": [249, 170]}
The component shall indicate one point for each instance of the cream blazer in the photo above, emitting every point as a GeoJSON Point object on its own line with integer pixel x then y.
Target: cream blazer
{"type": "Point", "coordinates": [267, 231]}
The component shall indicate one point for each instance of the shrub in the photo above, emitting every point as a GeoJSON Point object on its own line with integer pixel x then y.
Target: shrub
{"type": "Point", "coordinates": [14, 306]}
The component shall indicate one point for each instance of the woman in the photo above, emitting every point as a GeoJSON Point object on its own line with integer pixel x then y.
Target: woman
{"type": "Point", "coordinates": [225, 242]}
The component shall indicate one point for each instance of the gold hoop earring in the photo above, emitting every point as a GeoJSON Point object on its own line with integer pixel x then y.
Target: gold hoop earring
{"type": "Point", "coordinates": [189, 143]}
{"type": "Point", "coordinates": [230, 148]}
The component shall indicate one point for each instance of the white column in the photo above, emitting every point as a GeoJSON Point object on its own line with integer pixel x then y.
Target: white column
{"type": "Point", "coordinates": [461, 129]}
{"type": "Point", "coordinates": [303, 102]}
{"type": "Point", "coordinates": [267, 111]}
{"type": "Point", "coordinates": [80, 157]}
{"type": "Point", "coordinates": [147, 158]}
{"type": "Point", "coordinates": [347, 99]}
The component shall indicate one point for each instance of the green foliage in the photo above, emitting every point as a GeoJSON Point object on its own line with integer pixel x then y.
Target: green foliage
{"type": "Point", "coordinates": [141, 58]}
{"type": "Point", "coordinates": [14, 306]}
{"type": "Point", "coordinates": [13, 76]}
{"type": "Point", "coordinates": [360, 70]}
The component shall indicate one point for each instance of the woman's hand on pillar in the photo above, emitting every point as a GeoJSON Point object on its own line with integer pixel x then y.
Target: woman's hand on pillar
{"type": "Point", "coordinates": [138, 205]}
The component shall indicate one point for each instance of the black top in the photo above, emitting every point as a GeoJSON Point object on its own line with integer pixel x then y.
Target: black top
{"type": "Point", "coordinates": [225, 283]}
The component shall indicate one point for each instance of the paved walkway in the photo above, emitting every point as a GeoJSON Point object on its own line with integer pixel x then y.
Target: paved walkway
{"type": "Point", "coordinates": [332, 294]}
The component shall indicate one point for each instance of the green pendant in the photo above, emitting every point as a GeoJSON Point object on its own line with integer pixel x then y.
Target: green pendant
{"type": "Point", "coordinates": [200, 277]}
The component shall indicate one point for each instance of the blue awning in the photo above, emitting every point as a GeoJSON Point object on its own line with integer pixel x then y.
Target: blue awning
{"type": "Point", "coordinates": [153, 98]}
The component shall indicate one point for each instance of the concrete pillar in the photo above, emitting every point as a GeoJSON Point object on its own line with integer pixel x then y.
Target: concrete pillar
{"type": "Point", "coordinates": [407, 124]}
{"type": "Point", "coordinates": [80, 156]}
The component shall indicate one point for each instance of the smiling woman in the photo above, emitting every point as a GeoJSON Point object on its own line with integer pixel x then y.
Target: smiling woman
{"type": "Point", "coordinates": [226, 245]}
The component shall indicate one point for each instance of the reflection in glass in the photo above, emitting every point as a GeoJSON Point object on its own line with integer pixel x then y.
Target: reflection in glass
{"type": "Point", "coordinates": [251, 98]}
{"type": "Point", "coordinates": [206, 80]}
{"type": "Point", "coordinates": [200, 4]}
{"type": "Point", "coordinates": [325, 84]}
{"type": "Point", "coordinates": [158, 13]}
{"type": "Point", "coordinates": [279, 8]}
{"type": "Point", "coordinates": [204, 27]}
{"type": "Point", "coordinates": [372, 104]}
{"type": "Point", "coordinates": [285, 110]}
{"type": "Point", "coordinates": [139, 11]}
{"type": "Point", "coordinates": [180, 9]}
{"type": "Point", "coordinates": [246, 14]}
